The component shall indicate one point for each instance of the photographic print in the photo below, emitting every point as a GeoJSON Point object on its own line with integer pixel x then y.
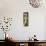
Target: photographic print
{"type": "Point", "coordinates": [25, 18]}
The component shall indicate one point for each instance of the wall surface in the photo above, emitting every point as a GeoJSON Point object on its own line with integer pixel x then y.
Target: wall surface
{"type": "Point", "coordinates": [15, 9]}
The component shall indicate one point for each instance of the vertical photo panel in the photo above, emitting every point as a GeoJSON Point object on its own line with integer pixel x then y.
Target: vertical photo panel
{"type": "Point", "coordinates": [25, 18]}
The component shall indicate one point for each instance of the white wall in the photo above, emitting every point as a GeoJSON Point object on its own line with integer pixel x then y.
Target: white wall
{"type": "Point", "coordinates": [15, 9]}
